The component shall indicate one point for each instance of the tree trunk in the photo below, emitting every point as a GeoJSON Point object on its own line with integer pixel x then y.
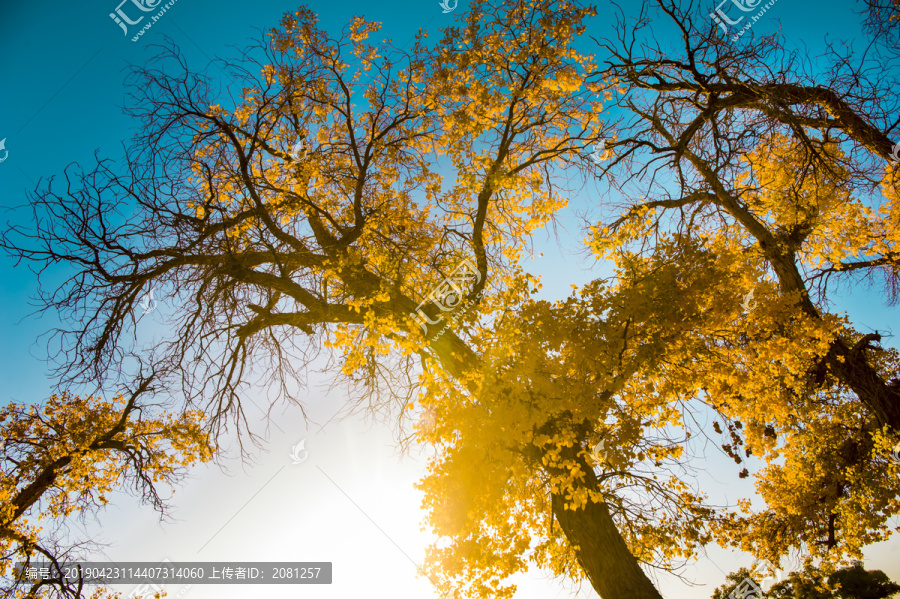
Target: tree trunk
{"type": "Point", "coordinates": [849, 365]}
{"type": "Point", "coordinates": [602, 552]}
{"type": "Point", "coordinates": [854, 370]}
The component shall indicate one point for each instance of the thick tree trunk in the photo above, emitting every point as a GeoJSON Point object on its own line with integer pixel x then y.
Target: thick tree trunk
{"type": "Point", "coordinates": [602, 552]}
{"type": "Point", "coordinates": [854, 370]}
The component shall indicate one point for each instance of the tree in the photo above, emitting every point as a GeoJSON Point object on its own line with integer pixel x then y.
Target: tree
{"type": "Point", "coordinates": [62, 458]}
{"type": "Point", "coordinates": [558, 379]}
{"type": "Point", "coordinates": [854, 582]}
{"type": "Point", "coordinates": [783, 175]}
{"type": "Point", "coordinates": [882, 18]}
{"type": "Point", "coordinates": [691, 119]}
{"type": "Point", "coordinates": [262, 246]}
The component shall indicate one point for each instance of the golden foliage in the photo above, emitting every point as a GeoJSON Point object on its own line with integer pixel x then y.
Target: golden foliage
{"type": "Point", "coordinates": [65, 456]}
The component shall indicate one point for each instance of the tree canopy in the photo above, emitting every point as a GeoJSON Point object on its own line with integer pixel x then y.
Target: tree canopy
{"type": "Point", "coordinates": [63, 457]}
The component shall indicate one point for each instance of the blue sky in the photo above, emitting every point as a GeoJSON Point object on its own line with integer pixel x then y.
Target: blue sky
{"type": "Point", "coordinates": [352, 502]}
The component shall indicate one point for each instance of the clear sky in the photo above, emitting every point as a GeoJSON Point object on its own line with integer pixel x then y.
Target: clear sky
{"type": "Point", "coordinates": [352, 500]}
